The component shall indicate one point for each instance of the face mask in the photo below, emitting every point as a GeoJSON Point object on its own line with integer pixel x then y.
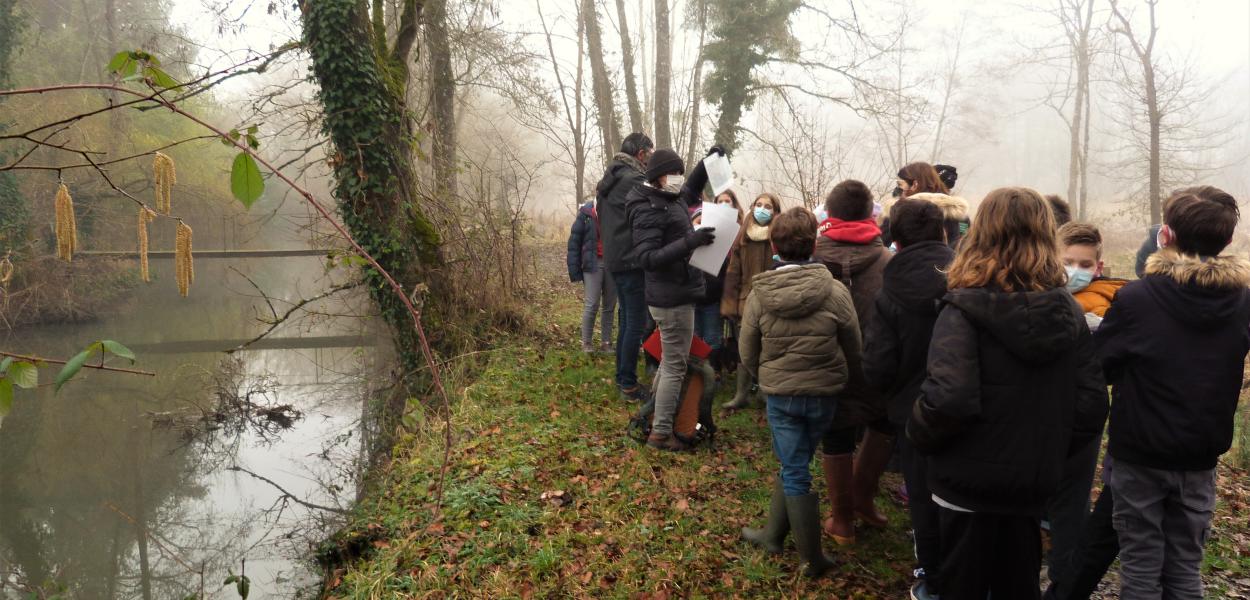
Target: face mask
{"type": "Point", "coordinates": [763, 215]}
{"type": "Point", "coordinates": [673, 183]}
{"type": "Point", "coordinates": [1078, 279]}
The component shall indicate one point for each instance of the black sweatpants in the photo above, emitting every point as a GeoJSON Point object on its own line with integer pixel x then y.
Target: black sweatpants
{"type": "Point", "coordinates": [1095, 552]}
{"type": "Point", "coordinates": [999, 555]}
{"type": "Point", "coordinates": [925, 521]}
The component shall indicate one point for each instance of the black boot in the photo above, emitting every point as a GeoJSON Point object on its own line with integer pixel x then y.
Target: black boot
{"type": "Point", "coordinates": [773, 535]}
{"type": "Point", "coordinates": [804, 513]}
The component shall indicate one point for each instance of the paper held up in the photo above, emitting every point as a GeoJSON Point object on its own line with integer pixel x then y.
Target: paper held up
{"type": "Point", "coordinates": [720, 174]}
{"type": "Point", "coordinates": [724, 217]}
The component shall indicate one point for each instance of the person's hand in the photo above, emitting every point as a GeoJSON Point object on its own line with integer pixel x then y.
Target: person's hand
{"type": "Point", "coordinates": [715, 150]}
{"type": "Point", "coordinates": [700, 237]}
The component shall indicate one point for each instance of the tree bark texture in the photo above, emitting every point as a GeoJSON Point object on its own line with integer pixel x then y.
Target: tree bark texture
{"type": "Point", "coordinates": [663, 75]}
{"type": "Point", "coordinates": [601, 85]}
{"type": "Point", "coordinates": [442, 98]}
{"type": "Point", "coordinates": [627, 57]}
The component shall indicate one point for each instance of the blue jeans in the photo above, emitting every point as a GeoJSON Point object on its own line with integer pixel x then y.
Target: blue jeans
{"type": "Point", "coordinates": [632, 300]}
{"type": "Point", "coordinates": [709, 325]}
{"type": "Point", "coordinates": [798, 422]}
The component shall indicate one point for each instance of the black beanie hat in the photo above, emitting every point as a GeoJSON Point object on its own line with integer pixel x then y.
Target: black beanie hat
{"type": "Point", "coordinates": [664, 162]}
{"type": "Point", "coordinates": [948, 175]}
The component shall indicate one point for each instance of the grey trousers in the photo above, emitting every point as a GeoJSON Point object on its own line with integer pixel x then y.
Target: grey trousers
{"type": "Point", "coordinates": [600, 300]}
{"type": "Point", "coordinates": [1162, 519]}
{"type": "Point", "coordinates": [676, 331]}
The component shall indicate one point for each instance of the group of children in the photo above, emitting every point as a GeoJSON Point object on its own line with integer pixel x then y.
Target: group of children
{"type": "Point", "coordinates": [980, 349]}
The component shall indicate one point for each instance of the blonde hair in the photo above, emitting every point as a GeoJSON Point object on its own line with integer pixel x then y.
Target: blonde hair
{"type": "Point", "coordinates": [1011, 245]}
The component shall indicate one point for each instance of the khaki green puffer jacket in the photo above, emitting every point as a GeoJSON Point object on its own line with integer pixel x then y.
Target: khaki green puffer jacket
{"type": "Point", "coordinates": [800, 335]}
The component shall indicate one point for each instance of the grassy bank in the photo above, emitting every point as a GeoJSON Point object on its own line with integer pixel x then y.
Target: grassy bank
{"type": "Point", "coordinates": [546, 497]}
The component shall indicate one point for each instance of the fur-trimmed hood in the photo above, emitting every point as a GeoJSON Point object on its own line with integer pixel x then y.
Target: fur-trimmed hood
{"type": "Point", "coordinates": [953, 208]}
{"type": "Point", "coordinates": [1218, 272]}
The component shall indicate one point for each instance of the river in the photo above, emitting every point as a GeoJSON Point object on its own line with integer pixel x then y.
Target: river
{"type": "Point", "coordinates": [118, 487]}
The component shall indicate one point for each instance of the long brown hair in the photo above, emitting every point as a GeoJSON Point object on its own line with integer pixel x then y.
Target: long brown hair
{"type": "Point", "coordinates": [1011, 245]}
{"type": "Point", "coordinates": [924, 179]}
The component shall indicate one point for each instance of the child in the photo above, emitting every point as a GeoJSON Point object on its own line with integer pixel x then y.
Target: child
{"type": "Point", "coordinates": [800, 338]}
{"type": "Point", "coordinates": [1011, 387]}
{"type": "Point", "coordinates": [896, 344]}
{"type": "Point", "coordinates": [1081, 247]}
{"type": "Point", "coordinates": [1174, 346]}
{"type": "Point", "coordinates": [585, 260]}
{"type": "Point", "coordinates": [751, 255]}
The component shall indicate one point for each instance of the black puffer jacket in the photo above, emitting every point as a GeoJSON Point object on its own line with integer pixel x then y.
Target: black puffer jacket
{"type": "Point", "coordinates": [897, 338]}
{"type": "Point", "coordinates": [583, 246]}
{"type": "Point", "coordinates": [622, 175]}
{"type": "Point", "coordinates": [660, 221]}
{"type": "Point", "coordinates": [1174, 347]}
{"type": "Point", "coordinates": [1013, 387]}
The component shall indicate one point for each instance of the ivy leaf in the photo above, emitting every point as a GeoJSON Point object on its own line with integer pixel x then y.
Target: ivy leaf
{"type": "Point", "coordinates": [246, 182]}
{"type": "Point", "coordinates": [6, 396]}
{"type": "Point", "coordinates": [23, 374]}
{"type": "Point", "coordinates": [73, 365]}
{"type": "Point", "coordinates": [119, 350]}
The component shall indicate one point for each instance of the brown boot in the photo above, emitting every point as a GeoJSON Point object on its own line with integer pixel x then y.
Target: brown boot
{"type": "Point", "coordinates": [838, 474]}
{"type": "Point", "coordinates": [874, 455]}
{"type": "Point", "coordinates": [666, 442]}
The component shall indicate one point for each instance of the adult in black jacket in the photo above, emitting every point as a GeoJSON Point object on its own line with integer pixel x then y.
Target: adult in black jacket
{"type": "Point", "coordinates": [1174, 346]}
{"type": "Point", "coordinates": [624, 173]}
{"type": "Point", "coordinates": [659, 214]}
{"type": "Point", "coordinates": [896, 349]}
{"type": "Point", "coordinates": [1012, 388]}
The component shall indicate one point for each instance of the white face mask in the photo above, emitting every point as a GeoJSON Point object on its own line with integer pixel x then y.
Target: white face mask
{"type": "Point", "coordinates": [673, 183]}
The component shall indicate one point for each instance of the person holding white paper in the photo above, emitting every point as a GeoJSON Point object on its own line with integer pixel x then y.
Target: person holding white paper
{"type": "Point", "coordinates": [659, 217]}
{"type": "Point", "coordinates": [751, 255]}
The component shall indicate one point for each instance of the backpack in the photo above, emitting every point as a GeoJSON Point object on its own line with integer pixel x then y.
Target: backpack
{"type": "Point", "coordinates": [693, 422]}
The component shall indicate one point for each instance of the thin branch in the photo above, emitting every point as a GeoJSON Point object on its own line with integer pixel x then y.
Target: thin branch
{"type": "Point", "coordinates": [286, 494]}
{"type": "Point", "coordinates": [278, 320]}
{"type": "Point", "coordinates": [53, 361]}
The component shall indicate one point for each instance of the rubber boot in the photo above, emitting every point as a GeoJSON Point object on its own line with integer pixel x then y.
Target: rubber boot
{"type": "Point", "coordinates": [874, 455]}
{"type": "Point", "coordinates": [742, 398]}
{"type": "Point", "coordinates": [773, 535]}
{"type": "Point", "coordinates": [838, 471]}
{"type": "Point", "coordinates": [804, 514]}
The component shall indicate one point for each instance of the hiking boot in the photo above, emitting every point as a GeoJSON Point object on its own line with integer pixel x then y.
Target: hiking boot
{"type": "Point", "coordinates": [838, 474]}
{"type": "Point", "coordinates": [920, 591]}
{"type": "Point", "coordinates": [666, 441]}
{"type": "Point", "coordinates": [773, 535]}
{"type": "Point", "coordinates": [634, 394]}
{"type": "Point", "coordinates": [870, 462]}
{"type": "Point", "coordinates": [742, 398]}
{"type": "Point", "coordinates": [804, 514]}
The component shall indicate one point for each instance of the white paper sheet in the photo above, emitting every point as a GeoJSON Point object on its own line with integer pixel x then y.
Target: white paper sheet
{"type": "Point", "coordinates": [720, 174]}
{"type": "Point", "coordinates": [724, 217]}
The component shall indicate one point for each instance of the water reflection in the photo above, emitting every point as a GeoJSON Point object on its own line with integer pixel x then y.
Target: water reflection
{"type": "Point", "coordinates": [118, 486]}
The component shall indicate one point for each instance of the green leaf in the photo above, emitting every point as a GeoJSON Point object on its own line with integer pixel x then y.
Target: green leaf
{"type": "Point", "coordinates": [161, 78]}
{"type": "Point", "coordinates": [4, 364]}
{"type": "Point", "coordinates": [73, 365]}
{"type": "Point", "coordinates": [253, 130]}
{"type": "Point", "coordinates": [118, 350]}
{"type": "Point", "coordinates": [23, 374]}
{"type": "Point", "coordinates": [6, 396]}
{"type": "Point", "coordinates": [245, 181]}
{"type": "Point", "coordinates": [244, 586]}
{"type": "Point", "coordinates": [118, 61]}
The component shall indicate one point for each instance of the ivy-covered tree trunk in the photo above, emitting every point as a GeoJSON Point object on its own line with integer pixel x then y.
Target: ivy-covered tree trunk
{"type": "Point", "coordinates": [13, 210]}
{"type": "Point", "coordinates": [362, 83]}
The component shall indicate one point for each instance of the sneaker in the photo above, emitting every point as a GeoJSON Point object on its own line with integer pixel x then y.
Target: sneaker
{"type": "Point", "coordinates": [920, 591]}
{"type": "Point", "coordinates": [634, 394]}
{"type": "Point", "coordinates": [668, 442]}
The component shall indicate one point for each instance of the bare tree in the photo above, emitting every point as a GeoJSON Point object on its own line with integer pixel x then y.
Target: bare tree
{"type": "Point", "coordinates": [627, 57]}
{"type": "Point", "coordinates": [442, 96]}
{"type": "Point", "coordinates": [573, 110]}
{"type": "Point", "coordinates": [663, 75]}
{"type": "Point", "coordinates": [1143, 50]}
{"type": "Point", "coordinates": [609, 129]}
{"type": "Point", "coordinates": [1077, 17]}
{"type": "Point", "coordinates": [696, 83]}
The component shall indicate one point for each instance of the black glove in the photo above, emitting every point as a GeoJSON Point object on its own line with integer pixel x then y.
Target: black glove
{"type": "Point", "coordinates": [715, 150]}
{"type": "Point", "coordinates": [700, 237]}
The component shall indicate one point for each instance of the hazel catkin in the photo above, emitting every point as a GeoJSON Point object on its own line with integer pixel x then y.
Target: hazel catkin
{"type": "Point", "coordinates": [184, 271]}
{"type": "Point", "coordinates": [145, 216]}
{"type": "Point", "coordinates": [164, 177]}
{"type": "Point", "coordinates": [66, 228]}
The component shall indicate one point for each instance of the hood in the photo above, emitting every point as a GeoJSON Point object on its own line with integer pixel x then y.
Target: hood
{"type": "Point", "coordinates": [1104, 287]}
{"type": "Point", "coordinates": [1037, 327]}
{"type": "Point", "coordinates": [1202, 293]}
{"type": "Point", "coordinates": [851, 232]}
{"type": "Point", "coordinates": [587, 209]}
{"type": "Point", "coordinates": [621, 165]}
{"type": "Point", "coordinates": [840, 256]}
{"type": "Point", "coordinates": [912, 278]}
{"type": "Point", "coordinates": [793, 292]}
{"type": "Point", "coordinates": [953, 208]}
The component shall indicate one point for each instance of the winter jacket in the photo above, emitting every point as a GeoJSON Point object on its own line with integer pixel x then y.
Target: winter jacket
{"type": "Point", "coordinates": [896, 340]}
{"type": "Point", "coordinates": [859, 267]}
{"type": "Point", "coordinates": [660, 221]}
{"type": "Point", "coordinates": [714, 291]}
{"type": "Point", "coordinates": [747, 259]}
{"type": "Point", "coordinates": [955, 217]}
{"type": "Point", "coordinates": [583, 252]}
{"type": "Point", "coordinates": [1148, 246]}
{"type": "Point", "coordinates": [799, 332]}
{"type": "Point", "coordinates": [1098, 296]}
{"type": "Point", "coordinates": [623, 174]}
{"type": "Point", "coordinates": [1174, 347]}
{"type": "Point", "coordinates": [1013, 388]}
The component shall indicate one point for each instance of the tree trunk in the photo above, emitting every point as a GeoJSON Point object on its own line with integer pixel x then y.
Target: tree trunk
{"type": "Point", "coordinates": [442, 98]}
{"type": "Point", "coordinates": [362, 95]}
{"type": "Point", "coordinates": [601, 85]}
{"type": "Point", "coordinates": [1152, 111]}
{"type": "Point", "coordinates": [696, 87]}
{"type": "Point", "coordinates": [627, 56]}
{"type": "Point", "coordinates": [663, 75]}
{"type": "Point", "coordinates": [1085, 150]}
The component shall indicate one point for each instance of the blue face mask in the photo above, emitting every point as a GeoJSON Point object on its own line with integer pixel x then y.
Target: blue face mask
{"type": "Point", "coordinates": [1078, 279]}
{"type": "Point", "coordinates": [763, 215]}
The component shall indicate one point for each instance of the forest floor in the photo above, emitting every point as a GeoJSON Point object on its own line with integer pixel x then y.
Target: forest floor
{"type": "Point", "coordinates": [546, 496]}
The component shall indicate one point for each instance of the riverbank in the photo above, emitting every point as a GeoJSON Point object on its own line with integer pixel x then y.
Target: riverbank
{"type": "Point", "coordinates": [546, 496]}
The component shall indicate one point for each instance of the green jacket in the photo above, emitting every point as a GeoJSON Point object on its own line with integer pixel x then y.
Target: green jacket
{"type": "Point", "coordinates": [800, 335]}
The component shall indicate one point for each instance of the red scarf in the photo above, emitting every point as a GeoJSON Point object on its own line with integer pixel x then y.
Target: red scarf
{"type": "Point", "coordinates": [594, 214]}
{"type": "Point", "coordinates": [850, 232]}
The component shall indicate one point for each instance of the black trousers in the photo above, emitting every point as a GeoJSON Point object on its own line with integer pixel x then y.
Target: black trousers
{"type": "Point", "coordinates": [925, 522]}
{"type": "Point", "coordinates": [1097, 549]}
{"type": "Point", "coordinates": [985, 554]}
{"type": "Point", "coordinates": [1067, 510]}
